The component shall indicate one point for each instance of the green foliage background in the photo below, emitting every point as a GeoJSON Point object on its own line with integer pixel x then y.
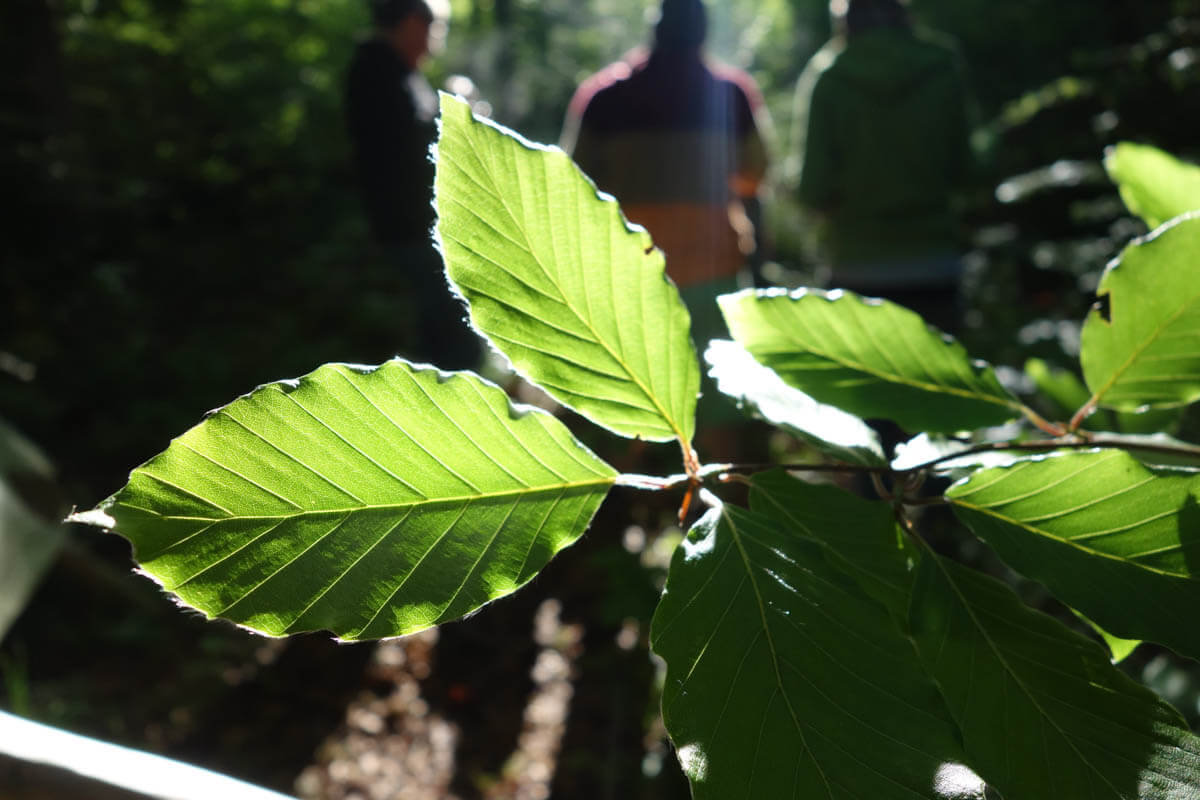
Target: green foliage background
{"type": "Point", "coordinates": [184, 174]}
{"type": "Point", "coordinates": [185, 179]}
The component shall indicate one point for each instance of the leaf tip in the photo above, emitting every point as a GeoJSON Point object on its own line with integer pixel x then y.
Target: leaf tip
{"type": "Point", "coordinates": [97, 517]}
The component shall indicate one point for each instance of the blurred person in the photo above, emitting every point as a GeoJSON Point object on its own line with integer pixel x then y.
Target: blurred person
{"type": "Point", "coordinates": [390, 115]}
{"type": "Point", "coordinates": [390, 110]}
{"type": "Point", "coordinates": [678, 141]}
{"type": "Point", "coordinates": [882, 136]}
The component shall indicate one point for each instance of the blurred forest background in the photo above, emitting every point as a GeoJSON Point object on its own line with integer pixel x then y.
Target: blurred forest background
{"type": "Point", "coordinates": [182, 224]}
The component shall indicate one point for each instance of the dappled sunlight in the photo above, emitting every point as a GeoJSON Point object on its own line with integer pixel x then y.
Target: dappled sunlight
{"type": "Point", "coordinates": [958, 782]}
{"type": "Point", "coordinates": [694, 762]}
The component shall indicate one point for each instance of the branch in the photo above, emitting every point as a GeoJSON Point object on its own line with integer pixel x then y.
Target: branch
{"type": "Point", "coordinates": [733, 472]}
{"type": "Point", "coordinates": [1044, 425]}
{"type": "Point", "coordinates": [655, 483]}
{"type": "Point", "coordinates": [652, 483]}
{"type": "Point", "coordinates": [805, 467]}
{"type": "Point", "coordinates": [1082, 414]}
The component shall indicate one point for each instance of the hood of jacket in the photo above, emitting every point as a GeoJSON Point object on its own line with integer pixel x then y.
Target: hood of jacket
{"type": "Point", "coordinates": [889, 61]}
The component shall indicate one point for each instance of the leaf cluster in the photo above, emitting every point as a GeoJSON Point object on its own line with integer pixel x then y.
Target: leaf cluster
{"type": "Point", "coordinates": [815, 643]}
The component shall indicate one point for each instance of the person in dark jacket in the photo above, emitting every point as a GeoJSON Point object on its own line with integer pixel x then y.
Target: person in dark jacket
{"type": "Point", "coordinates": [390, 110]}
{"type": "Point", "coordinates": [883, 141]}
{"type": "Point", "coordinates": [390, 116]}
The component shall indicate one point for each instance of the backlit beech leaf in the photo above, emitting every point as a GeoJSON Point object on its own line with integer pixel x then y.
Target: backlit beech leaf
{"type": "Point", "coordinates": [367, 502]}
{"type": "Point", "coordinates": [1144, 348]}
{"type": "Point", "coordinates": [1043, 713]}
{"type": "Point", "coordinates": [1154, 185]}
{"type": "Point", "coordinates": [786, 680]}
{"type": "Point", "coordinates": [830, 430]}
{"type": "Point", "coordinates": [1111, 537]}
{"type": "Point", "coordinates": [575, 297]}
{"type": "Point", "coordinates": [869, 357]}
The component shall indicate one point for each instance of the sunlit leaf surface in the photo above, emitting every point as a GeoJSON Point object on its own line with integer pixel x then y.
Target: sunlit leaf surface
{"type": "Point", "coordinates": [1109, 536]}
{"type": "Point", "coordinates": [1042, 711]}
{"type": "Point", "coordinates": [830, 430]}
{"type": "Point", "coordinates": [860, 536]}
{"type": "Point", "coordinates": [560, 283]}
{"type": "Point", "coordinates": [1154, 185]}
{"type": "Point", "coordinates": [1144, 347]}
{"type": "Point", "coordinates": [366, 502]}
{"type": "Point", "coordinates": [785, 680]}
{"type": "Point", "coordinates": [871, 358]}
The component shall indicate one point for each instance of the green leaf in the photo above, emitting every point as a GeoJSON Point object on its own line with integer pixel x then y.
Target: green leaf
{"type": "Point", "coordinates": [28, 545]}
{"type": "Point", "coordinates": [1120, 649]}
{"type": "Point", "coordinates": [860, 537]}
{"type": "Point", "coordinates": [830, 430]}
{"type": "Point", "coordinates": [784, 679]}
{"type": "Point", "coordinates": [18, 455]}
{"type": "Point", "coordinates": [367, 502]}
{"type": "Point", "coordinates": [1145, 349]}
{"type": "Point", "coordinates": [1109, 536]}
{"type": "Point", "coordinates": [1155, 185]}
{"type": "Point", "coordinates": [1042, 711]}
{"type": "Point", "coordinates": [30, 537]}
{"type": "Point", "coordinates": [869, 357]}
{"type": "Point", "coordinates": [560, 283]}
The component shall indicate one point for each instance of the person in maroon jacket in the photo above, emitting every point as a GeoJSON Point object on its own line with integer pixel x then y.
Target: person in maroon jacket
{"type": "Point", "coordinates": [677, 140]}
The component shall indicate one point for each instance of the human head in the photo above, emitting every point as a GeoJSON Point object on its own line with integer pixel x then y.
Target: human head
{"type": "Point", "coordinates": [681, 24]}
{"type": "Point", "coordinates": [406, 25]}
{"type": "Point", "coordinates": [852, 17]}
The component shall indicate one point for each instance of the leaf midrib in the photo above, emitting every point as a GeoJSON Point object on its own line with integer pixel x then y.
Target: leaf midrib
{"type": "Point", "coordinates": [775, 658]}
{"type": "Point", "coordinates": [1011, 672]}
{"type": "Point", "coordinates": [923, 385]}
{"type": "Point", "coordinates": [432, 501]}
{"type": "Point", "coordinates": [850, 363]}
{"type": "Point", "coordinates": [1035, 530]}
{"type": "Point", "coordinates": [898, 379]}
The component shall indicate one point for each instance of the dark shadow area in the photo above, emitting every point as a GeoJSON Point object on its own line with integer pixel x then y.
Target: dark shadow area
{"type": "Point", "coordinates": [1189, 533]}
{"type": "Point", "coordinates": [481, 682]}
{"type": "Point", "coordinates": [24, 781]}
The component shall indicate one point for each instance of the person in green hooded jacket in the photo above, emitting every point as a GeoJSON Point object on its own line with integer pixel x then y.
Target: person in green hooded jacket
{"type": "Point", "coordinates": [883, 140]}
